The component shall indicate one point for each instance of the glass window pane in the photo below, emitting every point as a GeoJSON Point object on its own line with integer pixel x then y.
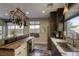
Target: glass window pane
{"type": "Point", "coordinates": [37, 26]}
{"type": "Point", "coordinates": [31, 26]}
{"type": "Point", "coordinates": [1, 29]}
{"type": "Point", "coordinates": [0, 32]}
{"type": "Point", "coordinates": [16, 28]}
{"type": "Point", "coordinates": [31, 22]}
{"type": "Point", "coordinates": [34, 26]}
{"type": "Point", "coordinates": [34, 22]}
{"type": "Point", "coordinates": [37, 22]}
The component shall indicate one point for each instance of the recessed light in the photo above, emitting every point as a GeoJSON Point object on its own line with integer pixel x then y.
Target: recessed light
{"type": "Point", "coordinates": [6, 14]}
{"type": "Point", "coordinates": [43, 11]}
{"type": "Point", "coordinates": [27, 12]}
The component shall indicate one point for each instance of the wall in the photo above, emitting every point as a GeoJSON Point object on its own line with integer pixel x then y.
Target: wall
{"type": "Point", "coordinates": [43, 35]}
{"type": "Point", "coordinates": [44, 30]}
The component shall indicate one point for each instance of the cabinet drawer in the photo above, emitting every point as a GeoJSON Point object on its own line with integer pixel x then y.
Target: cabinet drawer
{"type": "Point", "coordinates": [20, 50]}
{"type": "Point", "coordinates": [22, 53]}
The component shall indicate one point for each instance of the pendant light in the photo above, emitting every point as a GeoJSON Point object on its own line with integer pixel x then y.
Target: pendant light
{"type": "Point", "coordinates": [65, 8]}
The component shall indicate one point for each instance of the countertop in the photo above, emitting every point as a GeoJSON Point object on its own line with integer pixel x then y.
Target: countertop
{"type": "Point", "coordinates": [16, 44]}
{"type": "Point", "coordinates": [63, 53]}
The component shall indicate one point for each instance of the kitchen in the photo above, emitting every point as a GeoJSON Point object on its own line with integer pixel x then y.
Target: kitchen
{"type": "Point", "coordinates": [39, 29]}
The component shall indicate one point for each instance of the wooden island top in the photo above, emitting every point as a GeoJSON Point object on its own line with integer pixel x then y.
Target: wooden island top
{"type": "Point", "coordinates": [15, 45]}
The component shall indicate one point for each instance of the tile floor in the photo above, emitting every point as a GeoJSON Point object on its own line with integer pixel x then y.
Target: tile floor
{"type": "Point", "coordinates": [40, 50]}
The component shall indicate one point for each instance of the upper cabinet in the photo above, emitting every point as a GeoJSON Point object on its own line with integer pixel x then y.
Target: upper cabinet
{"type": "Point", "coordinates": [60, 16]}
{"type": "Point", "coordinates": [60, 19]}
{"type": "Point", "coordinates": [72, 12]}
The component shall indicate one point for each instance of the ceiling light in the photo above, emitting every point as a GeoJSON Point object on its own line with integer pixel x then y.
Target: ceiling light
{"type": "Point", "coordinates": [49, 5]}
{"type": "Point", "coordinates": [43, 12]}
{"type": "Point", "coordinates": [27, 12]}
{"type": "Point", "coordinates": [6, 14]}
{"type": "Point", "coordinates": [65, 8]}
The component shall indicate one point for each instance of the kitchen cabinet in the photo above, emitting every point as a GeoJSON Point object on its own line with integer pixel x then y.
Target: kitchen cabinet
{"type": "Point", "coordinates": [21, 51]}
{"type": "Point", "coordinates": [53, 49]}
{"type": "Point", "coordinates": [53, 23]}
{"type": "Point", "coordinates": [60, 19]}
{"type": "Point", "coordinates": [29, 47]}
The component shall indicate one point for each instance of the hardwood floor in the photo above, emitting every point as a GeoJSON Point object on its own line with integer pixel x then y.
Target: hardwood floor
{"type": "Point", "coordinates": [40, 50]}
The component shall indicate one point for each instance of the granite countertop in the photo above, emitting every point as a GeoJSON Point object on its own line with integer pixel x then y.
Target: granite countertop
{"type": "Point", "coordinates": [14, 45]}
{"type": "Point", "coordinates": [63, 53]}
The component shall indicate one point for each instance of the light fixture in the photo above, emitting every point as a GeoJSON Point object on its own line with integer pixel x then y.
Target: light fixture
{"type": "Point", "coordinates": [49, 5]}
{"type": "Point", "coordinates": [43, 11]}
{"type": "Point", "coordinates": [6, 14]}
{"type": "Point", "coordinates": [17, 16]}
{"type": "Point", "coordinates": [27, 12]}
{"type": "Point", "coordinates": [65, 8]}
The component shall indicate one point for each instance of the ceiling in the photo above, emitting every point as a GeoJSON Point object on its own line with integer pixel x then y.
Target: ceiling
{"type": "Point", "coordinates": [34, 9]}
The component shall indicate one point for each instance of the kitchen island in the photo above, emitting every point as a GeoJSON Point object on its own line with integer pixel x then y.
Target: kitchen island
{"type": "Point", "coordinates": [17, 48]}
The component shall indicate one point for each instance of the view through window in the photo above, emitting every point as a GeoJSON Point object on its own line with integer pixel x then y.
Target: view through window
{"type": "Point", "coordinates": [34, 28]}
{"type": "Point", "coordinates": [73, 26]}
{"type": "Point", "coordinates": [14, 29]}
{"type": "Point", "coordinates": [0, 29]}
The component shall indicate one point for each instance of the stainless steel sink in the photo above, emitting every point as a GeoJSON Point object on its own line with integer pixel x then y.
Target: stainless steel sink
{"type": "Point", "coordinates": [64, 46]}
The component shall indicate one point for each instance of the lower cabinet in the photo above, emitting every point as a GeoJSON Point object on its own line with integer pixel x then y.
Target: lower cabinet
{"type": "Point", "coordinates": [53, 49]}
{"type": "Point", "coordinates": [26, 49]}
{"type": "Point", "coordinates": [18, 48]}
{"type": "Point", "coordinates": [21, 51]}
{"type": "Point", "coordinates": [49, 44]}
{"type": "Point", "coordinates": [29, 47]}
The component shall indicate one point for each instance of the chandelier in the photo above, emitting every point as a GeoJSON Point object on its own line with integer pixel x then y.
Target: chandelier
{"type": "Point", "coordinates": [18, 17]}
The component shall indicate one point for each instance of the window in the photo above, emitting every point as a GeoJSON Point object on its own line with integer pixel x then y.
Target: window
{"type": "Point", "coordinates": [0, 31]}
{"type": "Point", "coordinates": [34, 28]}
{"type": "Point", "coordinates": [14, 29]}
{"type": "Point", "coordinates": [19, 30]}
{"type": "Point", "coordinates": [73, 27]}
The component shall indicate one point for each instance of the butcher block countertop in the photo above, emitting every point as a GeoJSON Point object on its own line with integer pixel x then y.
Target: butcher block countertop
{"type": "Point", "coordinates": [14, 45]}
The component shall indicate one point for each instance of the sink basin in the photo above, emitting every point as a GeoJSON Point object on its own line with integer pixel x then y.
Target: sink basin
{"type": "Point", "coordinates": [64, 46]}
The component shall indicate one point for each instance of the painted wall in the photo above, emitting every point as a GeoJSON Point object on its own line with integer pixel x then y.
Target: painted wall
{"type": "Point", "coordinates": [44, 30]}
{"type": "Point", "coordinates": [43, 35]}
